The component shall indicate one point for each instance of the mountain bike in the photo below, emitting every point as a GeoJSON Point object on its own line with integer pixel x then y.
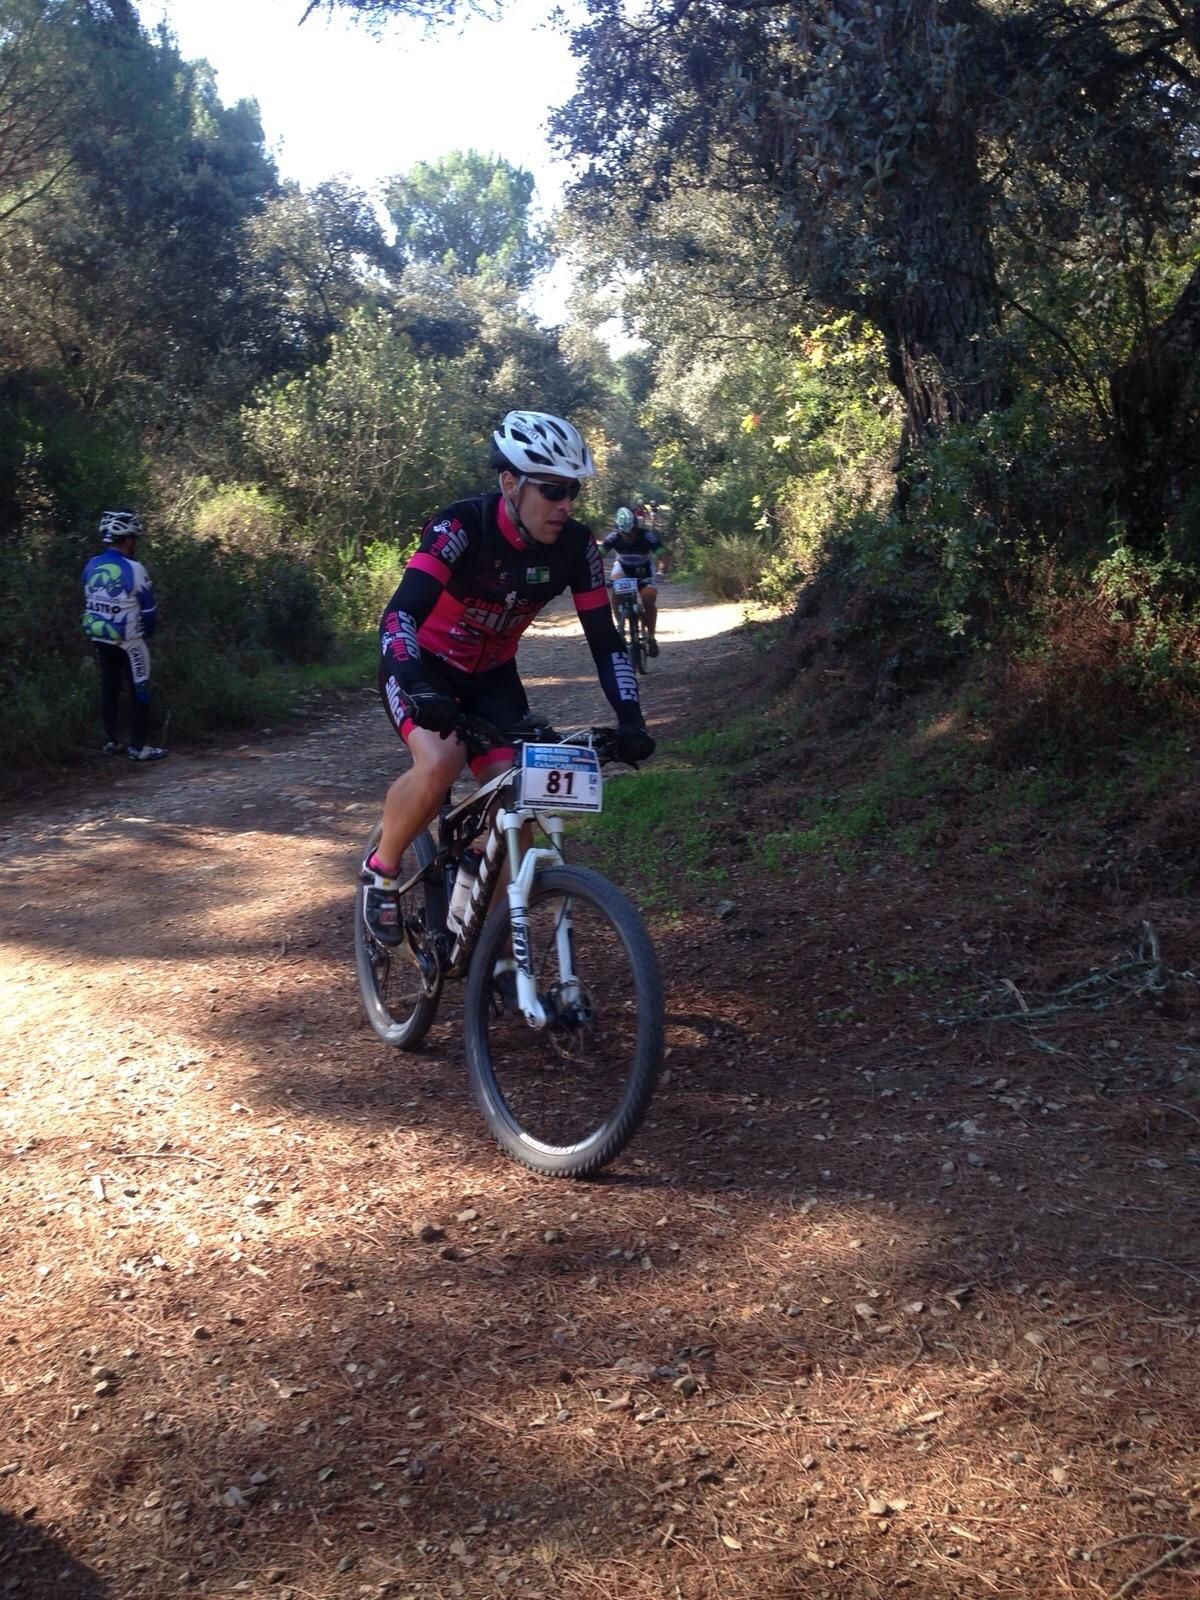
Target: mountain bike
{"type": "Point", "coordinates": [563, 1012]}
{"type": "Point", "coordinates": [631, 622]}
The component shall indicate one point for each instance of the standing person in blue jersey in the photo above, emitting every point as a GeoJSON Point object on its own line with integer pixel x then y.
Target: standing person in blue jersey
{"type": "Point", "coordinates": [483, 570]}
{"type": "Point", "coordinates": [633, 547]}
{"type": "Point", "coordinates": [119, 615]}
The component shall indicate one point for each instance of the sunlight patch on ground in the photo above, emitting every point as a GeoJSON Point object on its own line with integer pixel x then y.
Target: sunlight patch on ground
{"type": "Point", "coordinates": [557, 682]}
{"type": "Point", "coordinates": [703, 622]}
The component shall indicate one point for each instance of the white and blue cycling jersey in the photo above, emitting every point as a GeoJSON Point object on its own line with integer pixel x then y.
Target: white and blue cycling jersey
{"type": "Point", "coordinates": [118, 602]}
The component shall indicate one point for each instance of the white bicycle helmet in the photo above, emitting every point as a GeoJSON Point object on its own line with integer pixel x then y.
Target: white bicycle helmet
{"type": "Point", "coordinates": [624, 520]}
{"type": "Point", "coordinates": [533, 442]}
{"type": "Point", "coordinates": [116, 525]}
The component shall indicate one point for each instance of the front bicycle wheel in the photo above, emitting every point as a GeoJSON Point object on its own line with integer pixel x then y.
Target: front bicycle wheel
{"type": "Point", "coordinates": [398, 996]}
{"type": "Point", "coordinates": [623, 624]}
{"type": "Point", "coordinates": [637, 643]}
{"type": "Point", "coordinates": [567, 1098]}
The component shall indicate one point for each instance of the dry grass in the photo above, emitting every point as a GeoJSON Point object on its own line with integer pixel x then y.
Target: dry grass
{"type": "Point", "coordinates": [1101, 671]}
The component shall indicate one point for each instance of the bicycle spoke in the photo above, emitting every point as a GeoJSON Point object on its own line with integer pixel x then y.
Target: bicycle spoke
{"type": "Point", "coordinates": [585, 1078]}
{"type": "Point", "coordinates": [400, 1002]}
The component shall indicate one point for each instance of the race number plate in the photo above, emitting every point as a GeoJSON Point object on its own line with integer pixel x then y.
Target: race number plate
{"type": "Point", "coordinates": [624, 585]}
{"type": "Point", "coordinates": [560, 777]}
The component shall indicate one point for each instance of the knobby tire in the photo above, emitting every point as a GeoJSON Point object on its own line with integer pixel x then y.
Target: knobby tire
{"type": "Point", "coordinates": [637, 643]}
{"type": "Point", "coordinates": [398, 1006]}
{"type": "Point", "coordinates": [539, 1089]}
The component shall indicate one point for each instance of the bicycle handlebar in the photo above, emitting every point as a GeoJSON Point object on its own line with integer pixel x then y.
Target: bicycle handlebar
{"type": "Point", "coordinates": [480, 736]}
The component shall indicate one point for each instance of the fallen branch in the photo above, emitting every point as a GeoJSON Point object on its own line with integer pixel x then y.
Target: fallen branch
{"type": "Point", "coordinates": [1098, 991]}
{"type": "Point", "coordinates": [1147, 1261]}
{"type": "Point", "coordinates": [161, 1155]}
{"type": "Point", "coordinates": [1167, 1559]}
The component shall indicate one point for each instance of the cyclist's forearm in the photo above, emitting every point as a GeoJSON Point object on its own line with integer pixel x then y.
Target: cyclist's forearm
{"type": "Point", "coordinates": [408, 608]}
{"type": "Point", "coordinates": [617, 677]}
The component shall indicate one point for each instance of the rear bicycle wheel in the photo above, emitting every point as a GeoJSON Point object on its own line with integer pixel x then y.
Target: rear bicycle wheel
{"type": "Point", "coordinates": [566, 1099]}
{"type": "Point", "coordinates": [400, 999]}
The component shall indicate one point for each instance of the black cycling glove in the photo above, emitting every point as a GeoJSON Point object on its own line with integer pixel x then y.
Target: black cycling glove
{"type": "Point", "coordinates": [429, 709]}
{"type": "Point", "coordinates": [634, 744]}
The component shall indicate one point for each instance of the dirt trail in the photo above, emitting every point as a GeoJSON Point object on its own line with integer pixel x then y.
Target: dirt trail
{"type": "Point", "coordinates": [151, 916]}
{"type": "Point", "coordinates": [874, 1304]}
{"type": "Point", "coordinates": [160, 883]}
{"type": "Point", "coordinates": [187, 1086]}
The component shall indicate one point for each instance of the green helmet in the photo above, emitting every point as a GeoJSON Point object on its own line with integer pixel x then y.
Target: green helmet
{"type": "Point", "coordinates": [624, 520]}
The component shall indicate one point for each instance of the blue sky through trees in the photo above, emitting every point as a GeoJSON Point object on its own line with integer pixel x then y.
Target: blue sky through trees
{"type": "Point", "coordinates": [337, 100]}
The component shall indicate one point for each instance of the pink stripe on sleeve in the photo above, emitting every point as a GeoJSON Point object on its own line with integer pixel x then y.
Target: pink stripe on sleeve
{"type": "Point", "coordinates": [591, 600]}
{"type": "Point", "coordinates": [430, 564]}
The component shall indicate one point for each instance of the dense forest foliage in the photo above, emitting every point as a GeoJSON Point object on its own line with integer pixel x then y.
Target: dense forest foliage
{"type": "Point", "coordinates": [915, 285]}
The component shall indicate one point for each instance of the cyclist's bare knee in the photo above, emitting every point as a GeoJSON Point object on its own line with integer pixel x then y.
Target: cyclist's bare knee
{"type": "Point", "coordinates": [436, 762]}
{"type": "Point", "coordinates": [414, 797]}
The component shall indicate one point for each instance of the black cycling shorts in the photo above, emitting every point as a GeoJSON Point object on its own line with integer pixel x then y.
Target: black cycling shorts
{"type": "Point", "coordinates": [498, 696]}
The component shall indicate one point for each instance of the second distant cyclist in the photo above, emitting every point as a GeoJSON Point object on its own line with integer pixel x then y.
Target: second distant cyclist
{"type": "Point", "coordinates": [634, 547]}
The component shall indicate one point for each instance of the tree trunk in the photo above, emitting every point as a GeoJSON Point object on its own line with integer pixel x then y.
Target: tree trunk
{"type": "Point", "coordinates": [940, 321]}
{"type": "Point", "coordinates": [940, 316]}
{"type": "Point", "coordinates": [1156, 422]}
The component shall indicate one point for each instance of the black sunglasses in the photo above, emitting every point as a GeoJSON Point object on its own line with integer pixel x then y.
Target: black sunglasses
{"type": "Point", "coordinates": [568, 489]}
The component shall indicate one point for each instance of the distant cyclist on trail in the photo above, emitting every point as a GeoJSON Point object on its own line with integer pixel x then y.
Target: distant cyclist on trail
{"type": "Point", "coordinates": [633, 546]}
{"type": "Point", "coordinates": [483, 570]}
{"type": "Point", "coordinates": [119, 615]}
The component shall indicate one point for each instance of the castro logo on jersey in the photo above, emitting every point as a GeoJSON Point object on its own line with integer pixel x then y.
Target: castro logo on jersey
{"type": "Point", "coordinates": [595, 562]}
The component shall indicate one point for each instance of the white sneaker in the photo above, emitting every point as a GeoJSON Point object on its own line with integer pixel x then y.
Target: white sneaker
{"type": "Point", "coordinates": [148, 752]}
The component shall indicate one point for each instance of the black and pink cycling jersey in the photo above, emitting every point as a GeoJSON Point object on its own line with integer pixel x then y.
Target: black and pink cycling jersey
{"type": "Point", "coordinates": [473, 586]}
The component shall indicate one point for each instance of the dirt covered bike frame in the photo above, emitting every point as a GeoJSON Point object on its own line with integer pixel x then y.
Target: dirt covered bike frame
{"type": "Point", "coordinates": [563, 1013]}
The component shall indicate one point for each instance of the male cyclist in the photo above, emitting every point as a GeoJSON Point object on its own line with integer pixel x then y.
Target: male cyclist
{"type": "Point", "coordinates": [633, 546]}
{"type": "Point", "coordinates": [119, 614]}
{"type": "Point", "coordinates": [483, 570]}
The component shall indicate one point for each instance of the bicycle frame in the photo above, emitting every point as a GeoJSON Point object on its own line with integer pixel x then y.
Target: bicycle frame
{"type": "Point", "coordinates": [631, 604]}
{"type": "Point", "coordinates": [457, 826]}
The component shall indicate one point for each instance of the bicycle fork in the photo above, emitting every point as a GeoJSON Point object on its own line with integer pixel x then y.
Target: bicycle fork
{"type": "Point", "coordinates": [521, 871]}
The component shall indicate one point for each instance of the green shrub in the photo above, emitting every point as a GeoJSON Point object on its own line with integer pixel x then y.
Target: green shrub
{"type": "Point", "coordinates": [363, 584]}
{"type": "Point", "coordinates": [1098, 659]}
{"type": "Point", "coordinates": [731, 565]}
{"type": "Point", "coordinates": [295, 622]}
{"type": "Point", "coordinates": [229, 620]}
{"type": "Point", "coordinates": [240, 516]}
